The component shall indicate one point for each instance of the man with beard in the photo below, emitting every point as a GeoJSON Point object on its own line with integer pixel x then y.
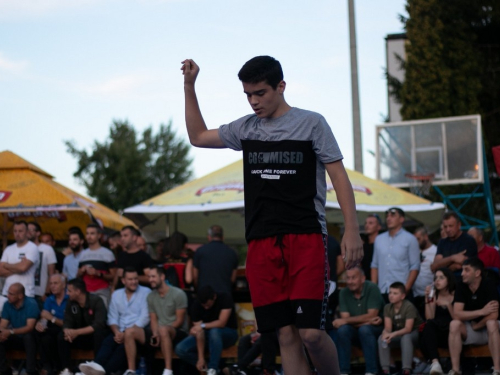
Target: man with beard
{"type": "Point", "coordinates": [19, 261]}
{"type": "Point", "coordinates": [167, 310]}
{"type": "Point", "coordinates": [71, 261]}
{"type": "Point", "coordinates": [373, 225]}
{"type": "Point", "coordinates": [425, 276]}
{"type": "Point", "coordinates": [127, 317]}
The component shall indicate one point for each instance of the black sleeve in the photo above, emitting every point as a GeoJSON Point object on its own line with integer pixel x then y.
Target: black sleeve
{"type": "Point", "coordinates": [459, 295]}
{"type": "Point", "coordinates": [69, 321]}
{"type": "Point", "coordinates": [492, 291]}
{"type": "Point", "coordinates": [471, 247]}
{"type": "Point", "coordinates": [147, 261]}
{"type": "Point", "coordinates": [119, 261]}
{"type": "Point", "coordinates": [196, 311]}
{"type": "Point", "coordinates": [100, 314]}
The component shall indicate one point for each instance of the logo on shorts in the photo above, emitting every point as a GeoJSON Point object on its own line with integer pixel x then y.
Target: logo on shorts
{"type": "Point", "coordinates": [299, 310]}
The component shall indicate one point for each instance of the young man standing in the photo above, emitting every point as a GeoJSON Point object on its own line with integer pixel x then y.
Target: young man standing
{"type": "Point", "coordinates": [285, 152]}
{"type": "Point", "coordinates": [71, 261]}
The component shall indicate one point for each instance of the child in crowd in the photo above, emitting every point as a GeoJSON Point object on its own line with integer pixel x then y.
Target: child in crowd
{"type": "Point", "coordinates": [401, 321]}
{"type": "Point", "coordinates": [439, 314]}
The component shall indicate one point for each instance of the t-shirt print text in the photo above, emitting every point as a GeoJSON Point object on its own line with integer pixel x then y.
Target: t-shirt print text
{"type": "Point", "coordinates": [277, 157]}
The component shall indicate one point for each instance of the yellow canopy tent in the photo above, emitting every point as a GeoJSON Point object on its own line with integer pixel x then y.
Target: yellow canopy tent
{"type": "Point", "coordinates": [217, 198]}
{"type": "Point", "coordinates": [29, 193]}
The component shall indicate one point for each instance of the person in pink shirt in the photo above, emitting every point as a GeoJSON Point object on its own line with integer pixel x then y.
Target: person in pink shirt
{"type": "Point", "coordinates": [488, 254]}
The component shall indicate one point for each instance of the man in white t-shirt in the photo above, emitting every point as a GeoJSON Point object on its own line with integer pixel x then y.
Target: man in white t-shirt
{"type": "Point", "coordinates": [47, 265]}
{"type": "Point", "coordinates": [19, 261]}
{"type": "Point", "coordinates": [425, 276]}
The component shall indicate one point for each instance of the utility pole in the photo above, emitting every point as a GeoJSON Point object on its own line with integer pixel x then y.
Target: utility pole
{"type": "Point", "coordinates": [356, 116]}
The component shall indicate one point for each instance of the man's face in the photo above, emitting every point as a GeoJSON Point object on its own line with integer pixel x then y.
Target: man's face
{"type": "Point", "coordinates": [92, 235]}
{"type": "Point", "coordinates": [208, 305]}
{"type": "Point", "coordinates": [451, 227]}
{"type": "Point", "coordinates": [355, 280]}
{"type": "Point", "coordinates": [263, 99]}
{"type": "Point", "coordinates": [33, 233]}
{"type": "Point", "coordinates": [474, 234]}
{"type": "Point", "coordinates": [155, 279]}
{"type": "Point", "coordinates": [74, 242]}
{"type": "Point", "coordinates": [395, 295]}
{"type": "Point", "coordinates": [20, 233]}
{"type": "Point", "coordinates": [73, 293]}
{"type": "Point", "coordinates": [128, 239]}
{"type": "Point", "coordinates": [469, 274]}
{"type": "Point", "coordinates": [13, 295]}
{"type": "Point", "coordinates": [422, 240]}
{"type": "Point", "coordinates": [55, 284]}
{"type": "Point", "coordinates": [130, 280]}
{"type": "Point", "coordinates": [371, 225]}
{"type": "Point", "coordinates": [141, 243]}
{"type": "Point", "coordinates": [394, 219]}
{"type": "Point", "coordinates": [47, 239]}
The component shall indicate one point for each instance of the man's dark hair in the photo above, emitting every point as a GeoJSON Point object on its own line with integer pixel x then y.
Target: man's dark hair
{"type": "Point", "coordinates": [216, 231]}
{"type": "Point", "coordinates": [96, 226]}
{"type": "Point", "coordinates": [422, 230]}
{"type": "Point", "coordinates": [129, 269]}
{"type": "Point", "coordinates": [21, 222]}
{"type": "Point", "coordinates": [475, 263]}
{"type": "Point", "coordinates": [175, 245]}
{"type": "Point", "coordinates": [77, 232]}
{"type": "Point", "coordinates": [450, 214]}
{"type": "Point", "coordinates": [75, 228]}
{"type": "Point", "coordinates": [262, 69]}
{"type": "Point", "coordinates": [206, 293]}
{"type": "Point", "coordinates": [36, 225]}
{"type": "Point", "coordinates": [398, 285]}
{"type": "Point", "coordinates": [115, 234]}
{"type": "Point", "coordinates": [78, 284]}
{"type": "Point", "coordinates": [450, 277]}
{"type": "Point", "coordinates": [132, 229]}
{"type": "Point", "coordinates": [159, 269]}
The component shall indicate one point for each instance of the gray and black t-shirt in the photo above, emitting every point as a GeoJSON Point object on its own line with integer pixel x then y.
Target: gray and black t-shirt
{"type": "Point", "coordinates": [285, 186]}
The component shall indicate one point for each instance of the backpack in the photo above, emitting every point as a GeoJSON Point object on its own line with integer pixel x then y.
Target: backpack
{"type": "Point", "coordinates": [171, 276]}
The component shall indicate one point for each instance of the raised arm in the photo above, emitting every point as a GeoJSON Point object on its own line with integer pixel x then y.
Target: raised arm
{"type": "Point", "coordinates": [199, 135]}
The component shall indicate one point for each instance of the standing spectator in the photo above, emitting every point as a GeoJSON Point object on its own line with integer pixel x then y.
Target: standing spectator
{"type": "Point", "coordinates": [360, 322]}
{"type": "Point", "coordinates": [215, 264]}
{"type": "Point", "coordinates": [396, 255]}
{"type": "Point", "coordinates": [488, 254]}
{"type": "Point", "coordinates": [71, 261]}
{"type": "Point", "coordinates": [46, 266]}
{"type": "Point", "coordinates": [20, 261]}
{"type": "Point", "coordinates": [84, 324]}
{"type": "Point", "coordinates": [453, 250]}
{"type": "Point", "coordinates": [48, 240]}
{"type": "Point", "coordinates": [20, 314]}
{"type": "Point", "coordinates": [97, 265]}
{"type": "Point", "coordinates": [177, 255]}
{"type": "Point", "coordinates": [401, 322]}
{"type": "Point", "coordinates": [167, 310]}
{"type": "Point", "coordinates": [214, 328]}
{"type": "Point", "coordinates": [475, 315]}
{"type": "Point", "coordinates": [132, 256]}
{"type": "Point", "coordinates": [142, 244]}
{"type": "Point", "coordinates": [373, 225]}
{"type": "Point", "coordinates": [439, 313]}
{"type": "Point", "coordinates": [115, 244]}
{"type": "Point", "coordinates": [50, 324]}
{"type": "Point", "coordinates": [127, 317]}
{"type": "Point", "coordinates": [425, 276]}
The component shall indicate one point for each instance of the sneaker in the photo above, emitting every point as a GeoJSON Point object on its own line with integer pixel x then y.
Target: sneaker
{"type": "Point", "coordinates": [495, 372]}
{"type": "Point", "coordinates": [420, 368]}
{"type": "Point", "coordinates": [369, 373]}
{"type": "Point", "coordinates": [453, 372]}
{"type": "Point", "coordinates": [436, 368]}
{"type": "Point", "coordinates": [212, 371]}
{"type": "Point", "coordinates": [129, 372]}
{"type": "Point", "coordinates": [65, 372]}
{"type": "Point", "coordinates": [167, 372]}
{"type": "Point", "coordinates": [235, 370]}
{"type": "Point", "coordinates": [92, 368]}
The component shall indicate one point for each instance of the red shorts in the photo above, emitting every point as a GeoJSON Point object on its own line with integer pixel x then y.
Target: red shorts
{"type": "Point", "coordinates": [289, 283]}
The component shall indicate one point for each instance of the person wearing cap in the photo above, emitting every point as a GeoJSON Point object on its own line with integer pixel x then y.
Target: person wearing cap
{"type": "Point", "coordinates": [373, 225]}
{"type": "Point", "coordinates": [396, 255]}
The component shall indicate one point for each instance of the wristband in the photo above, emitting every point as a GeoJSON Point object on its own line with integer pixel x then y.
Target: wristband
{"type": "Point", "coordinates": [11, 331]}
{"type": "Point", "coordinates": [53, 320]}
{"type": "Point", "coordinates": [203, 325]}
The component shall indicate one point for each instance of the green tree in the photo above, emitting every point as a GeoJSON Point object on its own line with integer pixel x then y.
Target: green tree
{"type": "Point", "coordinates": [127, 169]}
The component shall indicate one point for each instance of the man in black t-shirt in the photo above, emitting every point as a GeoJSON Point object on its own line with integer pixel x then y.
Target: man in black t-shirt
{"type": "Point", "coordinates": [453, 250]}
{"type": "Point", "coordinates": [214, 327]}
{"type": "Point", "coordinates": [132, 256]}
{"type": "Point", "coordinates": [373, 225]}
{"type": "Point", "coordinates": [475, 314]}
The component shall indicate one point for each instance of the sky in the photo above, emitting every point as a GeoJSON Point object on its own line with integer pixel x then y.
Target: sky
{"type": "Point", "coordinates": [69, 68]}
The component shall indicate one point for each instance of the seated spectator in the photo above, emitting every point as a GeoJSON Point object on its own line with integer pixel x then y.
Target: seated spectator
{"type": "Point", "coordinates": [167, 310]}
{"type": "Point", "coordinates": [176, 255]}
{"type": "Point", "coordinates": [250, 347]}
{"type": "Point", "coordinates": [488, 254]}
{"type": "Point", "coordinates": [50, 324]}
{"type": "Point", "coordinates": [17, 327]}
{"type": "Point", "coordinates": [401, 322]}
{"type": "Point", "coordinates": [132, 256]}
{"type": "Point", "coordinates": [71, 261]}
{"type": "Point", "coordinates": [439, 313]}
{"type": "Point", "coordinates": [127, 317]}
{"type": "Point", "coordinates": [84, 324]}
{"type": "Point", "coordinates": [475, 315]}
{"type": "Point", "coordinates": [361, 306]}
{"type": "Point", "coordinates": [214, 328]}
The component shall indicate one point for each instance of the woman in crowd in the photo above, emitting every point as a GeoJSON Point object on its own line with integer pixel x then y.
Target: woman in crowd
{"type": "Point", "coordinates": [439, 314]}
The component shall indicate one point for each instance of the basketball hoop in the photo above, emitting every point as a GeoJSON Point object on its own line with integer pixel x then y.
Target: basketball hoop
{"type": "Point", "coordinates": [420, 183]}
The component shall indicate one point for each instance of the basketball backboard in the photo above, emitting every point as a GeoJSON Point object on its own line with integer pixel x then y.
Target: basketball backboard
{"type": "Point", "coordinates": [450, 148]}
